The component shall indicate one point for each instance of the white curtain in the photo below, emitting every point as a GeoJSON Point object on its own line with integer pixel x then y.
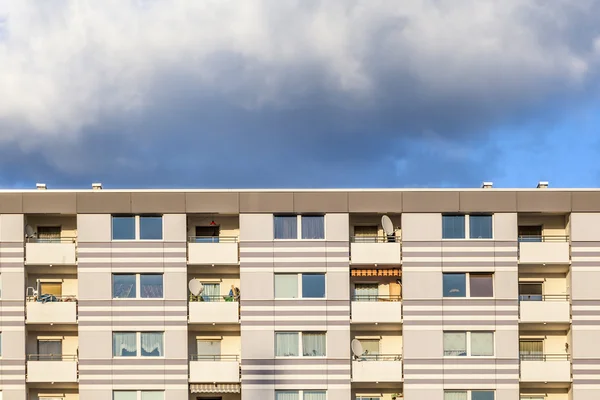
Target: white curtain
{"type": "Point", "coordinates": [314, 395]}
{"type": "Point", "coordinates": [286, 344]}
{"type": "Point", "coordinates": [124, 344]}
{"type": "Point", "coordinates": [154, 395]}
{"type": "Point", "coordinates": [313, 344]}
{"type": "Point", "coordinates": [286, 395]}
{"type": "Point", "coordinates": [125, 395]}
{"type": "Point", "coordinates": [455, 395]}
{"type": "Point", "coordinates": [313, 227]}
{"type": "Point", "coordinates": [208, 347]}
{"type": "Point", "coordinates": [211, 292]}
{"type": "Point", "coordinates": [286, 226]}
{"type": "Point", "coordinates": [482, 344]}
{"type": "Point", "coordinates": [455, 344]}
{"type": "Point", "coordinates": [152, 344]}
{"type": "Point", "coordinates": [366, 292]}
{"type": "Point", "coordinates": [286, 286]}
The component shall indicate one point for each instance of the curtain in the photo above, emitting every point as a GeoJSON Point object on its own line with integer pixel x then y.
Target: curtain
{"type": "Point", "coordinates": [286, 226]}
{"type": "Point", "coordinates": [313, 227]}
{"type": "Point", "coordinates": [212, 292]}
{"type": "Point", "coordinates": [50, 348]}
{"type": "Point", "coordinates": [209, 348]}
{"type": "Point", "coordinates": [455, 344]}
{"type": "Point", "coordinates": [314, 395]}
{"type": "Point", "coordinates": [482, 344]}
{"type": "Point", "coordinates": [151, 286]}
{"type": "Point", "coordinates": [124, 286]}
{"type": "Point", "coordinates": [286, 344]}
{"type": "Point", "coordinates": [286, 395]}
{"type": "Point", "coordinates": [455, 395]}
{"type": "Point", "coordinates": [154, 395]}
{"type": "Point", "coordinates": [313, 344]}
{"type": "Point", "coordinates": [531, 350]}
{"type": "Point", "coordinates": [365, 234]}
{"type": "Point", "coordinates": [152, 344]}
{"type": "Point", "coordinates": [366, 292]}
{"type": "Point", "coordinates": [125, 395]}
{"type": "Point", "coordinates": [124, 344]}
{"type": "Point", "coordinates": [286, 286]}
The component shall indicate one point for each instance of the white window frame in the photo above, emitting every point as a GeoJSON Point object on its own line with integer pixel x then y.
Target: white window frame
{"type": "Point", "coordinates": [299, 294]}
{"type": "Point", "coordinates": [468, 227]}
{"type": "Point", "coordinates": [468, 348]}
{"type": "Point", "coordinates": [138, 286]}
{"type": "Point", "coordinates": [138, 393]}
{"type": "Point", "coordinates": [468, 285]}
{"type": "Point", "coordinates": [300, 392]}
{"type": "Point", "coordinates": [470, 392]}
{"type": "Point", "coordinates": [299, 227]}
{"type": "Point", "coordinates": [138, 345]}
{"type": "Point", "coordinates": [137, 227]}
{"type": "Point", "coordinates": [300, 344]}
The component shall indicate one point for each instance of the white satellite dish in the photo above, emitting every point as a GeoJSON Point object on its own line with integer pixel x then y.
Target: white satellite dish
{"type": "Point", "coordinates": [196, 288]}
{"type": "Point", "coordinates": [29, 232]}
{"type": "Point", "coordinates": [357, 348]}
{"type": "Point", "coordinates": [388, 226]}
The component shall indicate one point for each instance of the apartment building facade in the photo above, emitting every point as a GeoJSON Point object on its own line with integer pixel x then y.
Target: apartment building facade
{"type": "Point", "coordinates": [470, 294]}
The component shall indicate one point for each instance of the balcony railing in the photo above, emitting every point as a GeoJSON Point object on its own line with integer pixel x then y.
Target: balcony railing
{"type": "Point", "coordinates": [214, 299]}
{"type": "Point", "coordinates": [543, 238]}
{"type": "Point", "coordinates": [50, 298]}
{"type": "Point", "coordinates": [62, 239]}
{"type": "Point", "coordinates": [379, 357]}
{"type": "Point", "coordinates": [544, 357]}
{"type": "Point", "coordinates": [375, 239]}
{"type": "Point", "coordinates": [51, 357]}
{"type": "Point", "coordinates": [223, 357]}
{"type": "Point", "coordinates": [376, 297]}
{"type": "Point", "coordinates": [212, 239]}
{"type": "Point", "coordinates": [543, 297]}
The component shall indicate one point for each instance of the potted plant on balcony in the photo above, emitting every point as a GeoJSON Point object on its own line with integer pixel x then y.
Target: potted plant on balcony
{"type": "Point", "coordinates": [396, 396]}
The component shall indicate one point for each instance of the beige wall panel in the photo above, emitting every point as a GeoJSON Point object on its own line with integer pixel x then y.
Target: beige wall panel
{"type": "Point", "coordinates": [305, 202]}
{"type": "Point", "coordinates": [430, 201]}
{"type": "Point", "coordinates": [95, 286]}
{"type": "Point", "coordinates": [256, 227]}
{"type": "Point", "coordinates": [95, 344]}
{"type": "Point", "coordinates": [421, 285]}
{"type": "Point", "coordinates": [488, 201]}
{"type": "Point", "coordinates": [12, 228]}
{"type": "Point", "coordinates": [423, 343]}
{"type": "Point", "coordinates": [94, 228]}
{"type": "Point", "coordinates": [585, 343]}
{"type": "Point", "coordinates": [338, 285]}
{"type": "Point", "coordinates": [257, 285]}
{"type": "Point", "coordinates": [585, 227]}
{"type": "Point", "coordinates": [13, 285]}
{"type": "Point", "coordinates": [422, 394]}
{"type": "Point", "coordinates": [585, 285]}
{"type": "Point", "coordinates": [11, 203]}
{"type": "Point", "coordinates": [507, 394]}
{"type": "Point", "coordinates": [175, 285]}
{"type": "Point", "coordinates": [266, 202]}
{"type": "Point", "coordinates": [542, 200]}
{"type": "Point", "coordinates": [174, 227]}
{"type": "Point", "coordinates": [222, 203]}
{"type": "Point", "coordinates": [378, 202]}
{"type": "Point", "coordinates": [101, 202]}
{"type": "Point", "coordinates": [505, 226]}
{"type": "Point", "coordinates": [337, 227]}
{"type": "Point", "coordinates": [176, 345]}
{"type": "Point", "coordinates": [156, 203]}
{"type": "Point", "coordinates": [49, 202]}
{"type": "Point", "coordinates": [506, 285]}
{"type": "Point", "coordinates": [258, 344]}
{"type": "Point", "coordinates": [507, 343]}
{"type": "Point", "coordinates": [422, 227]}
{"type": "Point", "coordinates": [338, 343]}
{"type": "Point", "coordinates": [13, 344]}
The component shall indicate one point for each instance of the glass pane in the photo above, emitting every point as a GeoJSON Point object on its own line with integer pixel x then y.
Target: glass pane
{"type": "Point", "coordinates": [481, 285]}
{"type": "Point", "coordinates": [151, 228]}
{"type": "Point", "coordinates": [366, 291]}
{"type": "Point", "coordinates": [531, 350]}
{"type": "Point", "coordinates": [51, 350]}
{"type": "Point", "coordinates": [125, 395]}
{"type": "Point", "coordinates": [370, 346]}
{"type": "Point", "coordinates": [455, 344]}
{"type": "Point", "coordinates": [285, 226]}
{"type": "Point", "coordinates": [313, 344]}
{"type": "Point", "coordinates": [313, 286]}
{"type": "Point", "coordinates": [482, 344]}
{"type": "Point", "coordinates": [453, 226]}
{"type": "Point", "coordinates": [124, 344]}
{"type": "Point", "coordinates": [153, 395]}
{"type": "Point", "coordinates": [123, 286]}
{"type": "Point", "coordinates": [123, 228]}
{"type": "Point", "coordinates": [286, 344]}
{"type": "Point", "coordinates": [530, 292]}
{"type": "Point", "coordinates": [314, 395]}
{"type": "Point", "coordinates": [455, 285]}
{"type": "Point", "coordinates": [480, 226]}
{"type": "Point", "coordinates": [152, 344]}
{"type": "Point", "coordinates": [313, 227]}
{"type": "Point", "coordinates": [455, 395]}
{"type": "Point", "coordinates": [286, 286]}
{"type": "Point", "coordinates": [482, 395]}
{"type": "Point", "coordinates": [208, 348]}
{"type": "Point", "coordinates": [286, 395]}
{"type": "Point", "coordinates": [48, 234]}
{"type": "Point", "coordinates": [151, 286]}
{"type": "Point", "coordinates": [51, 288]}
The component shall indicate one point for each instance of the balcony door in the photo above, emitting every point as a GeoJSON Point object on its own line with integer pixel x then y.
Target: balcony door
{"type": "Point", "coordinates": [207, 234]}
{"type": "Point", "coordinates": [51, 288]}
{"type": "Point", "coordinates": [370, 347]}
{"type": "Point", "coordinates": [531, 350]}
{"type": "Point", "coordinates": [531, 291]}
{"type": "Point", "coordinates": [48, 234]}
{"type": "Point", "coordinates": [365, 234]}
{"type": "Point", "coordinates": [49, 349]}
{"type": "Point", "coordinates": [530, 233]}
{"type": "Point", "coordinates": [208, 349]}
{"type": "Point", "coordinates": [366, 291]}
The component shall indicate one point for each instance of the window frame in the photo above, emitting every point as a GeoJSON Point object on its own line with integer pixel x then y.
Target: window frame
{"type": "Point", "coordinates": [299, 285]}
{"type": "Point", "coordinates": [138, 286]}
{"type": "Point", "coordinates": [137, 231]}
{"type": "Point", "coordinates": [300, 392]}
{"type": "Point", "coordinates": [467, 227]}
{"type": "Point", "coordinates": [299, 226]}
{"type": "Point", "coordinates": [468, 285]}
{"type": "Point", "coordinates": [138, 393]}
{"type": "Point", "coordinates": [301, 344]}
{"type": "Point", "coordinates": [138, 347]}
{"type": "Point", "coordinates": [468, 344]}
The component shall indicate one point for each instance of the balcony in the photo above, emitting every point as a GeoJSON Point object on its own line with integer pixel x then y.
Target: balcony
{"type": "Point", "coordinates": [376, 309]}
{"type": "Point", "coordinates": [59, 251]}
{"type": "Point", "coordinates": [43, 368]}
{"type": "Point", "coordinates": [368, 250]}
{"type": "Point", "coordinates": [544, 308]}
{"type": "Point", "coordinates": [535, 249]}
{"type": "Point", "coordinates": [213, 250]}
{"type": "Point", "coordinates": [213, 309]}
{"type": "Point", "coordinates": [551, 368]}
{"type": "Point", "coordinates": [377, 368]}
{"type": "Point", "coordinates": [214, 369]}
{"type": "Point", "coordinates": [50, 309]}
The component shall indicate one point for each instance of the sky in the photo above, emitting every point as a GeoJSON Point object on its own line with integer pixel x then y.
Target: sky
{"type": "Point", "coordinates": [299, 93]}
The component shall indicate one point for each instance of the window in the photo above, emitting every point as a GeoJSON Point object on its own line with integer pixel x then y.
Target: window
{"type": "Point", "coordinates": [531, 350]}
{"type": "Point", "coordinates": [366, 291]}
{"type": "Point", "coordinates": [309, 227]}
{"type": "Point", "coordinates": [479, 284]}
{"type": "Point", "coordinates": [132, 344]}
{"type": "Point", "coordinates": [207, 234]}
{"type": "Point", "coordinates": [530, 291]}
{"type": "Point", "coordinates": [51, 288]}
{"type": "Point", "coordinates": [49, 350]}
{"type": "Point", "coordinates": [138, 395]}
{"type": "Point", "coordinates": [208, 348]}
{"type": "Point", "coordinates": [370, 346]}
{"type": "Point", "coordinates": [480, 226]}
{"type": "Point", "coordinates": [211, 292]}
{"type": "Point", "coordinates": [365, 234]}
{"type": "Point", "coordinates": [530, 233]}
{"type": "Point", "coordinates": [455, 226]}
{"type": "Point", "coordinates": [468, 395]}
{"type": "Point", "coordinates": [137, 227]}
{"type": "Point", "coordinates": [294, 344]}
{"type": "Point", "coordinates": [463, 344]}
{"type": "Point", "coordinates": [293, 286]}
{"type": "Point", "coordinates": [132, 286]}
{"type": "Point", "coordinates": [300, 395]}
{"type": "Point", "coordinates": [48, 234]}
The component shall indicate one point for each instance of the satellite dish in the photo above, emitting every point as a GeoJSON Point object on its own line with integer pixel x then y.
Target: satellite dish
{"type": "Point", "coordinates": [29, 232]}
{"type": "Point", "coordinates": [356, 347]}
{"type": "Point", "coordinates": [388, 226]}
{"type": "Point", "coordinates": [195, 287]}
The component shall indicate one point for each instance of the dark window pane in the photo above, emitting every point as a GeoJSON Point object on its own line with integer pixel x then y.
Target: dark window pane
{"type": "Point", "coordinates": [151, 228]}
{"type": "Point", "coordinates": [482, 395]}
{"type": "Point", "coordinates": [482, 285]}
{"type": "Point", "coordinates": [530, 291]}
{"type": "Point", "coordinates": [124, 287]}
{"type": "Point", "coordinates": [313, 285]}
{"type": "Point", "coordinates": [151, 286]}
{"type": "Point", "coordinates": [123, 228]}
{"type": "Point", "coordinates": [530, 233]}
{"type": "Point", "coordinates": [285, 227]}
{"type": "Point", "coordinates": [453, 226]}
{"type": "Point", "coordinates": [455, 285]}
{"type": "Point", "coordinates": [480, 226]}
{"type": "Point", "coordinates": [313, 227]}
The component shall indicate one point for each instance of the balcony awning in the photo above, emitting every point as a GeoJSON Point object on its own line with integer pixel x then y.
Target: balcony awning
{"type": "Point", "coordinates": [376, 272]}
{"type": "Point", "coordinates": [215, 388]}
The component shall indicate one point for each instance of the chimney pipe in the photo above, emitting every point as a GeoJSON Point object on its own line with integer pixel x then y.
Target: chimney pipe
{"type": "Point", "coordinates": [487, 185]}
{"type": "Point", "coordinates": [542, 185]}
{"type": "Point", "coordinates": [97, 186]}
{"type": "Point", "coordinates": [40, 186]}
